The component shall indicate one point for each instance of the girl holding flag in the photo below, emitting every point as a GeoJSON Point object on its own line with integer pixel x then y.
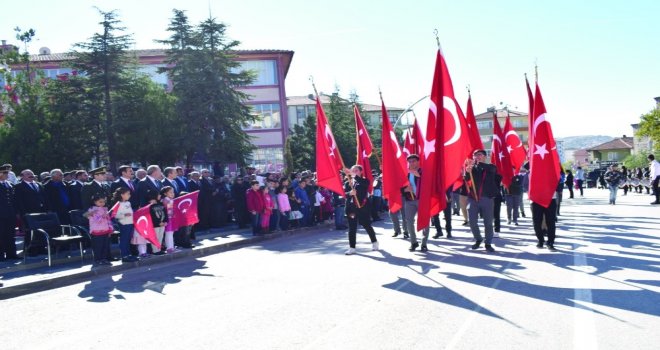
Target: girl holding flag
{"type": "Point", "coordinates": [123, 213]}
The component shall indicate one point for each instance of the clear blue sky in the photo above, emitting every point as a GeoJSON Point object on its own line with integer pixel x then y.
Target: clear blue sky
{"type": "Point", "coordinates": [598, 60]}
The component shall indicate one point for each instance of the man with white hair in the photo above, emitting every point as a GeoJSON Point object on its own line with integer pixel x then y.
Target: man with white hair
{"type": "Point", "coordinates": [57, 196]}
{"type": "Point", "coordinates": [149, 183]}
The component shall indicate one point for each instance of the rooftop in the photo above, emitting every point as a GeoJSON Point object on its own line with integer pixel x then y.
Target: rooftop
{"type": "Point", "coordinates": [158, 53]}
{"type": "Point", "coordinates": [501, 113]}
{"type": "Point", "coordinates": [618, 143]}
{"type": "Point", "coordinates": [325, 99]}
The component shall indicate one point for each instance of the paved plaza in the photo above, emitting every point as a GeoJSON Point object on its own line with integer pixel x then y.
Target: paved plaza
{"type": "Point", "coordinates": [600, 290]}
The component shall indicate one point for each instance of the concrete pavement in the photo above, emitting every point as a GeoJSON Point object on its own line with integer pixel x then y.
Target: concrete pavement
{"type": "Point", "coordinates": [600, 290]}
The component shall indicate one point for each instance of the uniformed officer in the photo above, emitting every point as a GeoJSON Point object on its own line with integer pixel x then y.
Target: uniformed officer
{"type": "Point", "coordinates": [97, 187]}
{"type": "Point", "coordinates": [357, 207]}
{"type": "Point", "coordinates": [7, 217]}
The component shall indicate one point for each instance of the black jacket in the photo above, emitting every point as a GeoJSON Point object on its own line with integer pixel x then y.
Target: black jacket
{"type": "Point", "coordinates": [144, 186]}
{"type": "Point", "coordinates": [75, 195]}
{"type": "Point", "coordinates": [28, 200]}
{"type": "Point", "coordinates": [120, 183]}
{"type": "Point", "coordinates": [7, 202]}
{"type": "Point", "coordinates": [358, 206]}
{"type": "Point", "coordinates": [92, 189]}
{"type": "Point", "coordinates": [486, 180]}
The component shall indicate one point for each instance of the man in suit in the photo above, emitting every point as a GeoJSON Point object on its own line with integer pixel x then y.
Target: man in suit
{"type": "Point", "coordinates": [96, 187]}
{"type": "Point", "coordinates": [150, 182]}
{"type": "Point", "coordinates": [57, 196]}
{"type": "Point", "coordinates": [125, 180]}
{"type": "Point", "coordinates": [75, 189]}
{"type": "Point", "coordinates": [181, 180]}
{"type": "Point", "coordinates": [7, 217]}
{"type": "Point", "coordinates": [30, 199]}
{"type": "Point", "coordinates": [194, 184]}
{"type": "Point", "coordinates": [205, 201]}
{"type": "Point", "coordinates": [170, 180]}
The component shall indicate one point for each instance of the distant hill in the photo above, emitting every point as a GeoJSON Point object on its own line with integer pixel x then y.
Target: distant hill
{"type": "Point", "coordinates": [582, 142]}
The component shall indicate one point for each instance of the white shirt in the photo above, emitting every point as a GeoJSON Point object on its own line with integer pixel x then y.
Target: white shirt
{"type": "Point", "coordinates": [655, 169]}
{"type": "Point", "coordinates": [11, 177]}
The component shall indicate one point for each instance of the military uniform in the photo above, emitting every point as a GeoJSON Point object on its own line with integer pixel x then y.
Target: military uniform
{"type": "Point", "coordinates": [93, 189]}
{"type": "Point", "coordinates": [7, 219]}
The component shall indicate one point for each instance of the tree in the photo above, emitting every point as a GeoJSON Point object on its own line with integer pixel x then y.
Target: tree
{"type": "Point", "coordinates": [303, 144]}
{"type": "Point", "coordinates": [342, 121]}
{"type": "Point", "coordinates": [650, 126]}
{"type": "Point", "coordinates": [104, 61]}
{"type": "Point", "coordinates": [205, 75]}
{"type": "Point", "coordinates": [636, 161]}
{"type": "Point", "coordinates": [289, 166]}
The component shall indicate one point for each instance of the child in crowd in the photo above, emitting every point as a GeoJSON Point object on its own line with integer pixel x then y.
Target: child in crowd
{"type": "Point", "coordinates": [294, 217]}
{"type": "Point", "coordinates": [284, 207]}
{"type": "Point", "coordinates": [167, 193]}
{"type": "Point", "coordinates": [123, 213]}
{"type": "Point", "coordinates": [268, 210]}
{"type": "Point", "coordinates": [100, 228]}
{"type": "Point", "coordinates": [159, 220]}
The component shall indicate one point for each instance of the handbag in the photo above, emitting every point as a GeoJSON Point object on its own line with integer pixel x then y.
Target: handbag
{"type": "Point", "coordinates": [295, 215]}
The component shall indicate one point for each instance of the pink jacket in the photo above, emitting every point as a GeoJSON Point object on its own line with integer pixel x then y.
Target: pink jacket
{"type": "Point", "coordinates": [283, 202]}
{"type": "Point", "coordinates": [99, 221]}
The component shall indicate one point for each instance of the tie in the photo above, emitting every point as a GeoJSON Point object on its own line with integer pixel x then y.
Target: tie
{"type": "Point", "coordinates": [130, 185]}
{"type": "Point", "coordinates": [176, 187]}
{"type": "Point", "coordinates": [34, 187]}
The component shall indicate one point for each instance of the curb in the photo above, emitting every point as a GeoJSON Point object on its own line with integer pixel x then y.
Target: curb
{"type": "Point", "coordinates": [9, 292]}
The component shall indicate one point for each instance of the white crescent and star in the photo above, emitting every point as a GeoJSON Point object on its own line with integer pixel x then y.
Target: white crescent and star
{"type": "Point", "coordinates": [541, 150]}
{"type": "Point", "coordinates": [187, 200]}
{"type": "Point", "coordinates": [146, 222]}
{"type": "Point", "coordinates": [328, 136]}
{"type": "Point", "coordinates": [450, 105]}
{"type": "Point", "coordinates": [395, 143]}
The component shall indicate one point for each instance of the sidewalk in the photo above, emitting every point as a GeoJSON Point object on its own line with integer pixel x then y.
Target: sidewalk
{"type": "Point", "coordinates": [18, 279]}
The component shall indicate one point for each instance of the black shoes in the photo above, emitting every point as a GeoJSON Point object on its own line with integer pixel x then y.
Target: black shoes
{"type": "Point", "coordinates": [489, 248]}
{"type": "Point", "coordinates": [413, 247]}
{"type": "Point", "coordinates": [396, 234]}
{"type": "Point", "coordinates": [655, 203]}
{"type": "Point", "coordinates": [424, 248]}
{"type": "Point", "coordinates": [465, 223]}
{"type": "Point", "coordinates": [405, 235]}
{"type": "Point", "coordinates": [449, 234]}
{"type": "Point", "coordinates": [539, 245]}
{"type": "Point", "coordinates": [552, 248]}
{"type": "Point", "coordinates": [130, 258]}
{"type": "Point", "coordinates": [476, 245]}
{"type": "Point", "coordinates": [438, 235]}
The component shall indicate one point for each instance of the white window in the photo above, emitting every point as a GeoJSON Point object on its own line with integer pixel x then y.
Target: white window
{"type": "Point", "coordinates": [265, 70]}
{"type": "Point", "coordinates": [267, 117]}
{"type": "Point", "coordinates": [53, 73]}
{"type": "Point", "coordinates": [485, 124]}
{"type": "Point", "coordinates": [152, 72]}
{"type": "Point", "coordinates": [612, 156]}
{"type": "Point", "coordinates": [269, 159]}
{"type": "Point", "coordinates": [519, 123]}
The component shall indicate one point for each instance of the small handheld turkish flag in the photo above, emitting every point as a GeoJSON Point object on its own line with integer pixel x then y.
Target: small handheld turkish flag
{"type": "Point", "coordinates": [185, 210]}
{"type": "Point", "coordinates": [144, 226]}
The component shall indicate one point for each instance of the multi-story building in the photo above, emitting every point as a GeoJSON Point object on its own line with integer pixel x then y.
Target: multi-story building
{"type": "Point", "coordinates": [613, 151]}
{"type": "Point", "coordinates": [519, 121]}
{"type": "Point", "coordinates": [300, 107]}
{"type": "Point", "coordinates": [267, 93]}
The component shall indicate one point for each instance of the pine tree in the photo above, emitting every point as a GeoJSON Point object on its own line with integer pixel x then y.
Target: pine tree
{"type": "Point", "coordinates": [104, 61]}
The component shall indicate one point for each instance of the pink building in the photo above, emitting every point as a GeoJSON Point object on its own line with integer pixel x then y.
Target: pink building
{"type": "Point", "coordinates": [267, 93]}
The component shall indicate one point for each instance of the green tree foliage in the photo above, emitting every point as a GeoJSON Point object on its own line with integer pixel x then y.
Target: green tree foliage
{"type": "Point", "coordinates": [303, 144]}
{"type": "Point", "coordinates": [650, 126]}
{"type": "Point", "coordinates": [289, 166]}
{"type": "Point", "coordinates": [636, 161]}
{"type": "Point", "coordinates": [104, 61]}
{"type": "Point", "coordinates": [205, 75]}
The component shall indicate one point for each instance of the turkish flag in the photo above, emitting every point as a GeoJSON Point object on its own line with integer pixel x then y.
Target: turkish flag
{"type": "Point", "coordinates": [473, 130]}
{"type": "Point", "coordinates": [500, 155]}
{"type": "Point", "coordinates": [514, 145]}
{"type": "Point", "coordinates": [144, 226]}
{"type": "Point", "coordinates": [395, 174]}
{"type": "Point", "coordinates": [530, 101]}
{"type": "Point", "coordinates": [114, 210]}
{"type": "Point", "coordinates": [185, 210]}
{"type": "Point", "coordinates": [364, 148]}
{"type": "Point", "coordinates": [431, 185]}
{"type": "Point", "coordinates": [409, 146]}
{"type": "Point", "coordinates": [544, 160]}
{"type": "Point", "coordinates": [328, 159]}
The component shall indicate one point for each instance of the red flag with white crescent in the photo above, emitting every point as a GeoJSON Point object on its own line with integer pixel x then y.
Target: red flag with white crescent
{"type": "Point", "coordinates": [185, 209]}
{"type": "Point", "coordinates": [328, 159]}
{"type": "Point", "coordinates": [499, 155]}
{"type": "Point", "coordinates": [409, 146]}
{"type": "Point", "coordinates": [395, 174]}
{"type": "Point", "coordinates": [144, 226]}
{"type": "Point", "coordinates": [473, 130]}
{"type": "Point", "coordinates": [544, 159]}
{"type": "Point", "coordinates": [514, 145]}
{"type": "Point", "coordinates": [364, 148]}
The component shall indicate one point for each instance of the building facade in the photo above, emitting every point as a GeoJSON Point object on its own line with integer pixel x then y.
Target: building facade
{"type": "Point", "coordinates": [267, 93]}
{"type": "Point", "coordinates": [300, 107]}
{"type": "Point", "coordinates": [614, 151]}
{"type": "Point", "coordinates": [519, 121]}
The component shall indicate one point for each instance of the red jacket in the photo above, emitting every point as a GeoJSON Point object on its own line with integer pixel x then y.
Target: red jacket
{"type": "Point", "coordinates": [255, 201]}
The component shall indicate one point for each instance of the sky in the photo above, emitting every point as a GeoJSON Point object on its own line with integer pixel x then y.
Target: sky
{"type": "Point", "coordinates": [597, 60]}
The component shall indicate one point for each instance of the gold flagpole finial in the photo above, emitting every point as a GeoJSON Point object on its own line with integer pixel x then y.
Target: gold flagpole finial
{"type": "Point", "coordinates": [437, 38]}
{"type": "Point", "coordinates": [311, 79]}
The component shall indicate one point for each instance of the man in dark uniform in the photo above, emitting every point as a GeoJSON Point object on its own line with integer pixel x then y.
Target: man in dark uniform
{"type": "Point", "coordinates": [483, 186]}
{"type": "Point", "coordinates": [357, 207]}
{"type": "Point", "coordinates": [149, 183]}
{"type": "Point", "coordinates": [96, 187]}
{"type": "Point", "coordinates": [7, 217]}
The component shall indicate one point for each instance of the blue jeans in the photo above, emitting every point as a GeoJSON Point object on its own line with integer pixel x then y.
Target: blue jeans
{"type": "Point", "coordinates": [125, 235]}
{"type": "Point", "coordinates": [339, 217]}
{"type": "Point", "coordinates": [254, 221]}
{"type": "Point", "coordinates": [613, 190]}
{"type": "Point", "coordinates": [284, 220]}
{"type": "Point", "coordinates": [307, 216]}
{"type": "Point", "coordinates": [274, 219]}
